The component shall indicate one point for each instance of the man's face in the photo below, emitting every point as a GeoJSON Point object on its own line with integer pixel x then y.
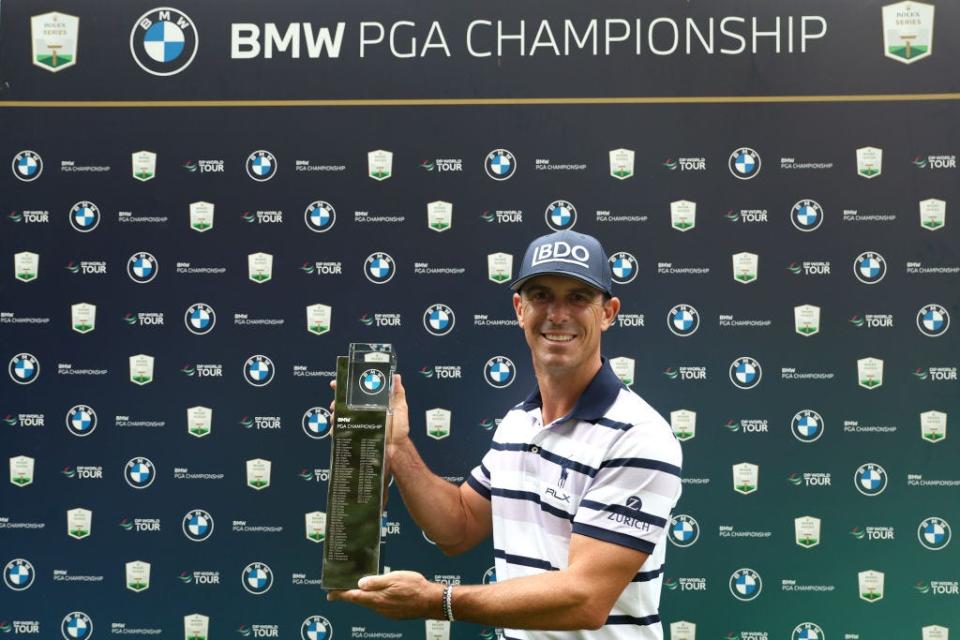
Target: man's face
{"type": "Point", "coordinates": [562, 319]}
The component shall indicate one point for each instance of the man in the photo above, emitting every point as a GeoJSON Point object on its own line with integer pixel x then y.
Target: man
{"type": "Point", "coordinates": [577, 487]}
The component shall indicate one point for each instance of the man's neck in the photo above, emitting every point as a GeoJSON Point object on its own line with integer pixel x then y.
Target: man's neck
{"type": "Point", "coordinates": [559, 391]}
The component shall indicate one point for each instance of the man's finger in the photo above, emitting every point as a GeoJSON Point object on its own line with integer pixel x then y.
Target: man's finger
{"type": "Point", "coordinates": [374, 583]}
{"type": "Point", "coordinates": [399, 393]}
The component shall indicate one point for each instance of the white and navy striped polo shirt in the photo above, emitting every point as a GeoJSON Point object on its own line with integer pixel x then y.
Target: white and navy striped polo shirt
{"type": "Point", "coordinates": [609, 470]}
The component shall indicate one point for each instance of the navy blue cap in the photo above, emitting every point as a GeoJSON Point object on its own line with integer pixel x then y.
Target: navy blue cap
{"type": "Point", "coordinates": [567, 253]}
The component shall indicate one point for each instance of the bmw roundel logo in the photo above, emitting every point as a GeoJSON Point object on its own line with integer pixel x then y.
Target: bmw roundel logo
{"type": "Point", "coordinates": [560, 215]}
{"type": "Point", "coordinates": [869, 267]}
{"type": "Point", "coordinates": [745, 372]}
{"type": "Point", "coordinates": [745, 584]}
{"type": "Point", "coordinates": [807, 631]}
{"type": "Point", "coordinates": [806, 215]}
{"type": "Point", "coordinates": [316, 628]}
{"type": "Point", "coordinates": [379, 268]}
{"type": "Point", "coordinates": [18, 574]}
{"type": "Point", "coordinates": [164, 41]}
{"type": "Point", "coordinates": [500, 164]}
{"type": "Point", "coordinates": [76, 626]}
{"type": "Point", "coordinates": [933, 320]}
{"type": "Point", "coordinates": [320, 216]}
{"type": "Point", "coordinates": [200, 318]}
{"type": "Point", "coordinates": [261, 165]}
{"type": "Point", "coordinates": [258, 370]}
{"type": "Point", "coordinates": [439, 319]}
{"type": "Point", "coordinates": [81, 420]}
{"type": "Point", "coordinates": [623, 267]}
{"type": "Point", "coordinates": [142, 267]}
{"type": "Point", "coordinates": [139, 473]}
{"type": "Point", "coordinates": [744, 163]}
{"type": "Point", "coordinates": [372, 381]}
{"type": "Point", "coordinates": [499, 372]}
{"type": "Point", "coordinates": [870, 479]}
{"type": "Point", "coordinates": [807, 426]}
{"type": "Point", "coordinates": [684, 530]}
{"type": "Point", "coordinates": [84, 216]}
{"type": "Point", "coordinates": [934, 534]}
{"type": "Point", "coordinates": [197, 525]}
{"type": "Point", "coordinates": [24, 368]}
{"type": "Point", "coordinates": [489, 576]}
{"type": "Point", "coordinates": [316, 423]}
{"type": "Point", "coordinates": [27, 165]}
{"type": "Point", "coordinates": [683, 320]}
{"type": "Point", "coordinates": [257, 578]}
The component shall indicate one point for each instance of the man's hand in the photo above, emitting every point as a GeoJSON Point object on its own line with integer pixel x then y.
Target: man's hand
{"type": "Point", "coordinates": [398, 425]}
{"type": "Point", "coordinates": [398, 595]}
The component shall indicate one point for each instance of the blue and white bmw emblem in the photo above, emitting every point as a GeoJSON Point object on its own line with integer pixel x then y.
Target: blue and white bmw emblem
{"type": "Point", "coordinates": [316, 423]}
{"type": "Point", "coordinates": [139, 473]}
{"type": "Point", "coordinates": [869, 267]}
{"type": "Point", "coordinates": [744, 163]}
{"type": "Point", "coordinates": [807, 426]}
{"type": "Point", "coordinates": [18, 574]}
{"type": "Point", "coordinates": [142, 267]}
{"type": "Point", "coordinates": [164, 41]}
{"type": "Point", "coordinates": [745, 584]}
{"type": "Point", "coordinates": [934, 533]}
{"type": "Point", "coordinates": [933, 320]}
{"type": "Point", "coordinates": [489, 576]}
{"type": "Point", "coordinates": [560, 215]}
{"type": "Point", "coordinates": [261, 165]}
{"type": "Point", "coordinates": [27, 165]}
{"type": "Point", "coordinates": [623, 267]}
{"type": "Point", "coordinates": [81, 420]}
{"type": "Point", "coordinates": [316, 628]}
{"type": "Point", "coordinates": [320, 216]}
{"type": "Point", "coordinates": [257, 578]}
{"type": "Point", "coordinates": [197, 525]}
{"type": "Point", "coordinates": [438, 319]}
{"type": "Point", "coordinates": [84, 216]}
{"type": "Point", "coordinates": [379, 268]}
{"type": "Point", "coordinates": [684, 530]}
{"type": "Point", "coordinates": [870, 479]}
{"type": "Point", "coordinates": [24, 368]}
{"type": "Point", "coordinates": [499, 372]}
{"type": "Point", "coordinates": [806, 215]}
{"type": "Point", "coordinates": [200, 318]}
{"type": "Point", "coordinates": [683, 320]}
{"type": "Point", "coordinates": [807, 631]}
{"type": "Point", "coordinates": [372, 381]}
{"type": "Point", "coordinates": [258, 370]}
{"type": "Point", "coordinates": [500, 164]}
{"type": "Point", "coordinates": [76, 626]}
{"type": "Point", "coordinates": [745, 372]}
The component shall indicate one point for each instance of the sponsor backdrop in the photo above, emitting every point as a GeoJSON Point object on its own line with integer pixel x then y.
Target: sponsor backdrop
{"type": "Point", "coordinates": [178, 282]}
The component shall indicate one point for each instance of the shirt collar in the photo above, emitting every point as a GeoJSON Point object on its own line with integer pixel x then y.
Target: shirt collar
{"type": "Point", "coordinates": [595, 400]}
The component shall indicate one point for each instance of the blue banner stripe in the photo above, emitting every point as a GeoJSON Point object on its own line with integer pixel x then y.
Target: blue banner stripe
{"type": "Point", "coordinates": [479, 488]}
{"type": "Point", "coordinates": [606, 535]}
{"type": "Point", "coordinates": [624, 511]}
{"type": "Point", "coordinates": [524, 561]}
{"type": "Point", "coordinates": [642, 463]}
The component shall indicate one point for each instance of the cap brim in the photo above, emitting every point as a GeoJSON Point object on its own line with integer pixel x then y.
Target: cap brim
{"type": "Point", "coordinates": [519, 282]}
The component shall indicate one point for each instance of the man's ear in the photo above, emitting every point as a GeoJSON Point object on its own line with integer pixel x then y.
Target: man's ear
{"type": "Point", "coordinates": [611, 308]}
{"type": "Point", "coordinates": [518, 308]}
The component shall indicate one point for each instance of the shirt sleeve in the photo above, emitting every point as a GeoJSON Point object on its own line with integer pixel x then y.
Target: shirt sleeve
{"type": "Point", "coordinates": [479, 478]}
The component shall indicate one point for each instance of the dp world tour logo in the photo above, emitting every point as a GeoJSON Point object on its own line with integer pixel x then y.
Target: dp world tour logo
{"type": "Point", "coordinates": [258, 370]}
{"type": "Point", "coordinates": [934, 534]}
{"type": "Point", "coordinates": [438, 319]}
{"type": "Point", "coordinates": [84, 216]}
{"type": "Point", "coordinates": [683, 320]}
{"type": "Point", "coordinates": [27, 165]}
{"type": "Point", "coordinates": [499, 372]}
{"type": "Point", "coordinates": [139, 473]}
{"type": "Point", "coordinates": [142, 267]}
{"type": "Point", "coordinates": [807, 631]}
{"type": "Point", "coordinates": [197, 525]}
{"type": "Point", "coordinates": [24, 368]}
{"type": "Point", "coordinates": [316, 423]}
{"type": "Point", "coordinates": [164, 41]}
{"type": "Point", "coordinates": [76, 626]}
{"type": "Point", "coordinates": [870, 479]}
{"type": "Point", "coordinates": [200, 318]}
{"type": "Point", "coordinates": [684, 530]}
{"type": "Point", "coordinates": [745, 372]}
{"type": "Point", "coordinates": [560, 215]}
{"type": "Point", "coordinates": [500, 164]}
{"type": "Point", "coordinates": [81, 420]}
{"type": "Point", "coordinates": [379, 268]}
{"type": "Point", "coordinates": [933, 320]}
{"type": "Point", "coordinates": [745, 584]}
{"type": "Point", "coordinates": [744, 163]}
{"type": "Point", "coordinates": [806, 215]}
{"type": "Point", "coordinates": [257, 578]}
{"type": "Point", "coordinates": [869, 267]}
{"type": "Point", "coordinates": [807, 426]}
{"type": "Point", "coordinates": [320, 216]}
{"type": "Point", "coordinates": [372, 381]}
{"type": "Point", "coordinates": [261, 165]}
{"type": "Point", "coordinates": [316, 628]}
{"type": "Point", "coordinates": [623, 267]}
{"type": "Point", "coordinates": [18, 574]}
